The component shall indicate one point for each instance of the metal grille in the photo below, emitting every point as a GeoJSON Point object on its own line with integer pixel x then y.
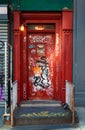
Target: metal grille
{"type": "Point", "coordinates": [3, 62]}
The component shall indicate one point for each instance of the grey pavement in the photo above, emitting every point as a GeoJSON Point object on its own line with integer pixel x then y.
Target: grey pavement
{"type": "Point", "coordinates": [80, 126]}
{"type": "Point", "coordinates": [81, 116]}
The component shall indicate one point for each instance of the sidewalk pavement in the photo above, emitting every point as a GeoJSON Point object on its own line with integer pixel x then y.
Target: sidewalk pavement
{"type": "Point", "coordinates": [81, 116]}
{"type": "Point", "coordinates": [81, 125]}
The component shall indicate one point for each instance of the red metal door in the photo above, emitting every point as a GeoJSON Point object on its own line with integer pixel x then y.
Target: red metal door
{"type": "Point", "coordinates": [41, 65]}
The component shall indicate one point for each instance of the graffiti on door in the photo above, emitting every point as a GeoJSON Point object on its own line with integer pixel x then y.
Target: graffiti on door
{"type": "Point", "coordinates": [41, 49]}
{"type": "Point", "coordinates": [40, 39]}
{"type": "Point", "coordinates": [41, 78]}
{"type": "Point", "coordinates": [40, 65]}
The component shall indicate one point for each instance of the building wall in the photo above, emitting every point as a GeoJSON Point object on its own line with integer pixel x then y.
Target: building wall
{"type": "Point", "coordinates": [79, 51]}
{"type": "Point", "coordinates": [78, 44]}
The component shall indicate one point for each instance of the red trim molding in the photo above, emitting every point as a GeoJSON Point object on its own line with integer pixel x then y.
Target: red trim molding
{"type": "Point", "coordinates": [67, 59]}
{"type": "Point", "coordinates": [17, 50]}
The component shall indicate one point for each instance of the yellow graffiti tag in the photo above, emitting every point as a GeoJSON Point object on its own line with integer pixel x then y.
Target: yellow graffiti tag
{"type": "Point", "coordinates": [43, 114]}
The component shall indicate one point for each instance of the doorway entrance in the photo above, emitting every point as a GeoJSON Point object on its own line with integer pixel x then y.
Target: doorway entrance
{"type": "Point", "coordinates": [41, 61]}
{"type": "Point", "coordinates": [42, 54]}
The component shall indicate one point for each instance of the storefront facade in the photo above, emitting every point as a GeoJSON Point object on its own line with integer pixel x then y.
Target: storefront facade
{"type": "Point", "coordinates": [57, 8]}
{"type": "Point", "coordinates": [42, 51]}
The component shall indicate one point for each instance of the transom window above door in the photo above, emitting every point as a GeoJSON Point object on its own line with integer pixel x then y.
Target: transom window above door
{"type": "Point", "coordinates": [41, 26]}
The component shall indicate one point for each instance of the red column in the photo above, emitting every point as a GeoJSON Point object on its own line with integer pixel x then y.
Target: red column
{"type": "Point", "coordinates": [16, 15]}
{"type": "Point", "coordinates": [58, 61]}
{"type": "Point", "coordinates": [66, 49]}
{"type": "Point", "coordinates": [24, 68]}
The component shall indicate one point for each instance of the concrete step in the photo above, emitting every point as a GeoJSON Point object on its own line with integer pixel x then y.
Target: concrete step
{"type": "Point", "coordinates": [42, 113]}
{"type": "Point", "coordinates": [37, 103]}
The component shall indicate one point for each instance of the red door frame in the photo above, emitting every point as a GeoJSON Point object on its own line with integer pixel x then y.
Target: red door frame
{"type": "Point", "coordinates": [63, 33]}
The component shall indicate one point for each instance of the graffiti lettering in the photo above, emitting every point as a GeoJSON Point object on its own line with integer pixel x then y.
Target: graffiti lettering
{"type": "Point", "coordinates": [42, 80]}
{"type": "Point", "coordinates": [42, 61]}
{"type": "Point", "coordinates": [40, 39]}
{"type": "Point", "coordinates": [44, 114]}
{"type": "Point", "coordinates": [37, 80]}
{"type": "Point", "coordinates": [45, 75]}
